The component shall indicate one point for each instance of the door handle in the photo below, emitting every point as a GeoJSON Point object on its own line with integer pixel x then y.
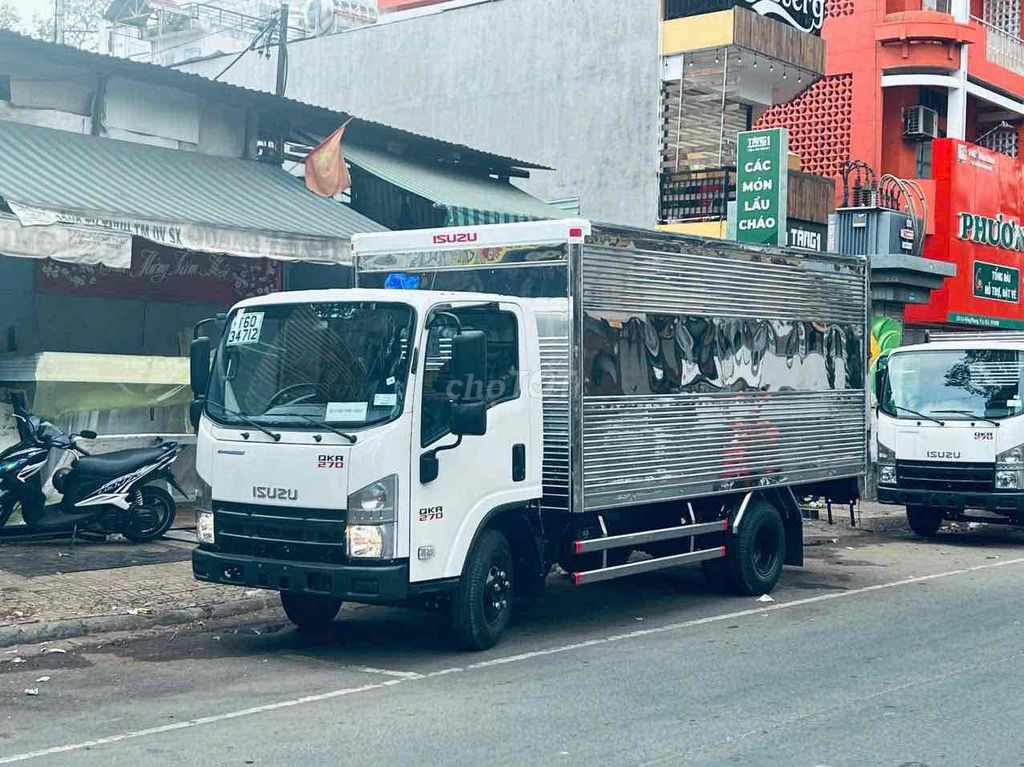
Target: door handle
{"type": "Point", "coordinates": [518, 462]}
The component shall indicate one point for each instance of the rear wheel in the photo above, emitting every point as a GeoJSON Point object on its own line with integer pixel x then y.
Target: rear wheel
{"type": "Point", "coordinates": [154, 518]}
{"type": "Point", "coordinates": [924, 520]}
{"type": "Point", "coordinates": [310, 612]}
{"type": "Point", "coordinates": [754, 555]}
{"type": "Point", "coordinates": [482, 602]}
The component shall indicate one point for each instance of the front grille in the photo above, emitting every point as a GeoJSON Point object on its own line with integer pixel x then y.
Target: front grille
{"type": "Point", "coordinates": [280, 532]}
{"type": "Point", "coordinates": [943, 476]}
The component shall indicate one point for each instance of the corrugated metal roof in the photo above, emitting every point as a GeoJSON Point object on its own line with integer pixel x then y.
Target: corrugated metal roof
{"type": "Point", "coordinates": [301, 114]}
{"type": "Point", "coordinates": [93, 176]}
{"type": "Point", "coordinates": [448, 186]}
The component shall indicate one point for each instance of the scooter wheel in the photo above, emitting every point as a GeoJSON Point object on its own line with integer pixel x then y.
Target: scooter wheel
{"type": "Point", "coordinates": [155, 519]}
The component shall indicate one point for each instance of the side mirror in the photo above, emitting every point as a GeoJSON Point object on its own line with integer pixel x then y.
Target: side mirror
{"type": "Point", "coordinates": [469, 365]}
{"type": "Point", "coordinates": [199, 365]}
{"type": "Point", "coordinates": [87, 434]}
{"type": "Point", "coordinates": [881, 371]}
{"type": "Point", "coordinates": [468, 419]}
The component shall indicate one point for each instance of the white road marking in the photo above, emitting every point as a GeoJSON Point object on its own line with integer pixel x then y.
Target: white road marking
{"type": "Point", "coordinates": [408, 677]}
{"type": "Point", "coordinates": [386, 672]}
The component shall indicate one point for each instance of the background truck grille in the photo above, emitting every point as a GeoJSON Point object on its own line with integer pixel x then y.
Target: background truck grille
{"type": "Point", "coordinates": [942, 476]}
{"type": "Point", "coordinates": [278, 532]}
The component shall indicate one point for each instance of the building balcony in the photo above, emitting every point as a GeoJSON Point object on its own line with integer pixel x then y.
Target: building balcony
{"type": "Point", "coordinates": [759, 61]}
{"type": "Point", "coordinates": [693, 196]}
{"type": "Point", "coordinates": [1003, 47]}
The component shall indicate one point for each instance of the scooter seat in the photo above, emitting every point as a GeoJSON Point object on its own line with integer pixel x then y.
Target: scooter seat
{"type": "Point", "coordinates": [120, 462]}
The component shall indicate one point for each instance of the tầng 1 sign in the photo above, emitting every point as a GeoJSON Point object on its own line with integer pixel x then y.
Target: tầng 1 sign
{"type": "Point", "coordinates": [762, 173]}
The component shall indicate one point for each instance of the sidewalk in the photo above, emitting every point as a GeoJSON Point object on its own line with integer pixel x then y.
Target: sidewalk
{"type": "Point", "coordinates": [58, 590]}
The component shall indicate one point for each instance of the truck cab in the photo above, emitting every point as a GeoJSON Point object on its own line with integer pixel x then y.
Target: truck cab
{"type": "Point", "coordinates": [390, 422]}
{"type": "Point", "coordinates": [950, 432]}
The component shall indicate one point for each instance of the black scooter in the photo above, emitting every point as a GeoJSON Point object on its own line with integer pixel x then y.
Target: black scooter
{"type": "Point", "coordinates": [108, 493]}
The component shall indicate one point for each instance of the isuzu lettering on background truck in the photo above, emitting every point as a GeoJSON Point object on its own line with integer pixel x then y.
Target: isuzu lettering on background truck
{"type": "Point", "coordinates": [491, 400]}
{"type": "Point", "coordinates": [950, 433]}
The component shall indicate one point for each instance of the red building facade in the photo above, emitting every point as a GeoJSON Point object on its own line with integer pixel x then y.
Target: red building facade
{"type": "Point", "coordinates": [901, 74]}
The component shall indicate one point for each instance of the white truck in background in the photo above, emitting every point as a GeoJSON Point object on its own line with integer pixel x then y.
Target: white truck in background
{"type": "Point", "coordinates": [490, 400]}
{"type": "Point", "coordinates": [950, 430]}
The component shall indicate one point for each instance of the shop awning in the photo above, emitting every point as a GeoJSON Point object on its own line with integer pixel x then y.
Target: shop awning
{"type": "Point", "coordinates": [467, 199]}
{"type": "Point", "coordinates": [179, 198]}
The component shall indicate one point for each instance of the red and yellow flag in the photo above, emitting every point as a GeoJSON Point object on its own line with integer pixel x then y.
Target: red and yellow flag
{"type": "Point", "coordinates": [326, 172]}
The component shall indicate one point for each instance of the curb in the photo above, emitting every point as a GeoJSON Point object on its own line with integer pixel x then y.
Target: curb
{"type": "Point", "coordinates": [70, 628]}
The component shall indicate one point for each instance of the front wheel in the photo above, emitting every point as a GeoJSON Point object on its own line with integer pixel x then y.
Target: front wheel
{"type": "Point", "coordinates": [310, 612]}
{"type": "Point", "coordinates": [153, 518]}
{"type": "Point", "coordinates": [924, 520]}
{"type": "Point", "coordinates": [482, 602]}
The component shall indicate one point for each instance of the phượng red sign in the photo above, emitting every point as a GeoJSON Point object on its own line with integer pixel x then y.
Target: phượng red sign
{"type": "Point", "coordinates": [979, 226]}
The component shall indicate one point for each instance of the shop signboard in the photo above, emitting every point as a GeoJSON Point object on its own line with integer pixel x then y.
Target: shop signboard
{"type": "Point", "coordinates": [804, 15]}
{"type": "Point", "coordinates": [160, 273]}
{"type": "Point", "coordinates": [979, 227]}
{"type": "Point", "coordinates": [762, 173]}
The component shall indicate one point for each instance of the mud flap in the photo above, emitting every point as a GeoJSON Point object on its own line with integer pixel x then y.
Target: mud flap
{"type": "Point", "coordinates": [793, 522]}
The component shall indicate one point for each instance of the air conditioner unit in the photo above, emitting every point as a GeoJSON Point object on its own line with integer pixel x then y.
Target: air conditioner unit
{"type": "Point", "coordinates": [920, 123]}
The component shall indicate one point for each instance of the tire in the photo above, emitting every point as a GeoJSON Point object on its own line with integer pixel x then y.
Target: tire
{"type": "Point", "coordinates": [482, 602]}
{"type": "Point", "coordinates": [310, 612]}
{"type": "Point", "coordinates": [925, 521]}
{"type": "Point", "coordinates": [758, 550]}
{"type": "Point", "coordinates": [143, 528]}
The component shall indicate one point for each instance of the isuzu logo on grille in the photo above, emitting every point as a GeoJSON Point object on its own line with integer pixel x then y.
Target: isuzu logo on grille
{"type": "Point", "coordinates": [275, 493]}
{"type": "Point", "coordinates": [944, 454]}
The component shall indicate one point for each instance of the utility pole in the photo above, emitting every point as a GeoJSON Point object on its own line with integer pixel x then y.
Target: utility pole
{"type": "Point", "coordinates": [58, 22]}
{"type": "Point", "coordinates": [282, 50]}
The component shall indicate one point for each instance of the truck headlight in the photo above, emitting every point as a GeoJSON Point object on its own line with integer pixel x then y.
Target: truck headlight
{"type": "Point", "coordinates": [1013, 457]}
{"type": "Point", "coordinates": [204, 512]}
{"type": "Point", "coordinates": [886, 474]}
{"type": "Point", "coordinates": [1007, 479]}
{"type": "Point", "coordinates": [885, 453]}
{"type": "Point", "coordinates": [370, 532]}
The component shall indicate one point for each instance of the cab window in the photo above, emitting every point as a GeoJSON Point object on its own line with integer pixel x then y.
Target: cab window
{"type": "Point", "coordinates": [502, 382]}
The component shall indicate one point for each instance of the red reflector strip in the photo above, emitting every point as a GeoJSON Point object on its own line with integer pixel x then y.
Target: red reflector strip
{"type": "Point", "coordinates": [577, 579]}
{"type": "Point", "coordinates": [722, 550]}
{"type": "Point", "coordinates": [725, 524]}
{"type": "Point", "coordinates": [579, 547]}
{"type": "Point", "coordinates": [576, 232]}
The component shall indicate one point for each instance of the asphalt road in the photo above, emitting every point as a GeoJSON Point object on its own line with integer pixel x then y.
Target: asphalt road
{"type": "Point", "coordinates": [884, 650]}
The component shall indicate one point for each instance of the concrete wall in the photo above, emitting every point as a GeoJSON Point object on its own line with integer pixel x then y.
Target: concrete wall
{"type": "Point", "coordinates": [574, 84]}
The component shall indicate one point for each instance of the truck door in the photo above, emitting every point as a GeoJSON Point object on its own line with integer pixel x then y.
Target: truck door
{"type": "Point", "coordinates": [483, 472]}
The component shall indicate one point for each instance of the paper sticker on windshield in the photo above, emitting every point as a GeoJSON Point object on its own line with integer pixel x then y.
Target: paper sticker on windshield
{"type": "Point", "coordinates": [385, 400]}
{"type": "Point", "coordinates": [245, 328]}
{"type": "Point", "coordinates": [349, 412]}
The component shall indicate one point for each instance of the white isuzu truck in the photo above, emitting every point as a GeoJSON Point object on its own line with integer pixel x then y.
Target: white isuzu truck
{"type": "Point", "coordinates": [488, 401]}
{"type": "Point", "coordinates": [950, 430]}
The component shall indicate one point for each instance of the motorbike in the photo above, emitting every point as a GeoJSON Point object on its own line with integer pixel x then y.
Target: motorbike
{"type": "Point", "coordinates": [105, 493]}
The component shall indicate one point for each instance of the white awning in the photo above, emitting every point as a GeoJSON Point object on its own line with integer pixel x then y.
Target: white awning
{"type": "Point", "coordinates": [72, 244]}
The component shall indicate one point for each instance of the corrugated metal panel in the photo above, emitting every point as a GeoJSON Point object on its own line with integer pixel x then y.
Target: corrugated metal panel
{"type": "Point", "coordinates": [553, 330]}
{"type": "Point", "coordinates": [86, 175]}
{"type": "Point", "coordinates": [737, 413]}
{"type": "Point", "coordinates": [449, 187]}
{"type": "Point", "coordinates": [728, 283]}
{"type": "Point", "coordinates": [640, 449]}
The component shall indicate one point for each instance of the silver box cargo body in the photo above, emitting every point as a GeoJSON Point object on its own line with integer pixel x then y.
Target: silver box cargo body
{"type": "Point", "coordinates": [683, 367]}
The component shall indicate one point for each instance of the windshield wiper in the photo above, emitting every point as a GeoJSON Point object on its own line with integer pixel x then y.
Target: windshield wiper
{"type": "Point", "coordinates": [248, 420]}
{"type": "Point", "coordinates": [972, 415]}
{"type": "Point", "coordinates": [324, 425]}
{"type": "Point", "coordinates": [920, 415]}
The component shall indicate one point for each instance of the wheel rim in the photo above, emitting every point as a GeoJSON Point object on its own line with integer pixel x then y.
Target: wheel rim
{"type": "Point", "coordinates": [496, 593]}
{"type": "Point", "coordinates": [765, 552]}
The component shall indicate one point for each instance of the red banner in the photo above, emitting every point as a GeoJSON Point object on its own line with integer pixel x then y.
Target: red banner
{"type": "Point", "coordinates": [979, 210]}
{"type": "Point", "coordinates": [160, 273]}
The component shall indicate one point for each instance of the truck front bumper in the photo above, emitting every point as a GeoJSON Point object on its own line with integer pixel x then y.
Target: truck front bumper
{"type": "Point", "coordinates": [385, 584]}
{"type": "Point", "coordinates": [1003, 503]}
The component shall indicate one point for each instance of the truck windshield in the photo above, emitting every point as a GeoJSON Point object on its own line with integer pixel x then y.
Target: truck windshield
{"type": "Point", "coordinates": [954, 384]}
{"type": "Point", "coordinates": [344, 363]}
